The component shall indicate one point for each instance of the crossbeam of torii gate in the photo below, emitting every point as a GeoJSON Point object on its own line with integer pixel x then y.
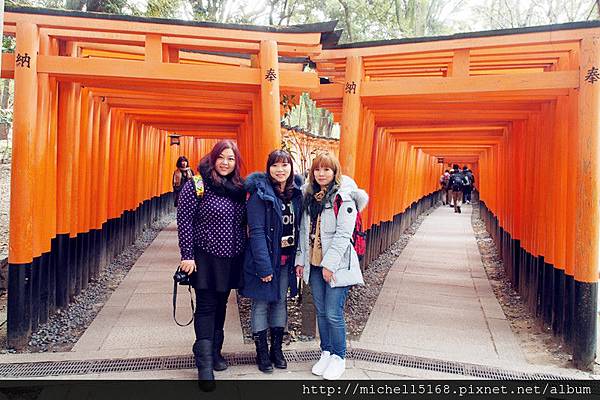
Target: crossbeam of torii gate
{"type": "Point", "coordinates": [104, 93]}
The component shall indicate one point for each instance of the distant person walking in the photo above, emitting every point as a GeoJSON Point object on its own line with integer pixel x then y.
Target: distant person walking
{"type": "Point", "coordinates": [469, 183]}
{"type": "Point", "coordinates": [181, 175]}
{"type": "Point", "coordinates": [457, 183]}
{"type": "Point", "coordinates": [444, 180]}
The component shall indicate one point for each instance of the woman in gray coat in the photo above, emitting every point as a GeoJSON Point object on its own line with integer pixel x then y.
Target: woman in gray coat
{"type": "Point", "coordinates": [326, 258]}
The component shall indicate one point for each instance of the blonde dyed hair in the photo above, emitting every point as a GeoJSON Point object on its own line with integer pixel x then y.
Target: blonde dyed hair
{"type": "Point", "coordinates": [327, 160]}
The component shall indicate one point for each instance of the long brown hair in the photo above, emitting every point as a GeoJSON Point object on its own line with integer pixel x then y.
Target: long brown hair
{"type": "Point", "coordinates": [281, 156]}
{"type": "Point", "coordinates": [207, 164]}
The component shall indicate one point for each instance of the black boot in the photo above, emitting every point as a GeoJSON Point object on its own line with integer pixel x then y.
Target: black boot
{"type": "Point", "coordinates": [262, 352]}
{"type": "Point", "coordinates": [204, 362]}
{"type": "Point", "coordinates": [219, 363]}
{"type": "Point", "coordinates": [276, 354]}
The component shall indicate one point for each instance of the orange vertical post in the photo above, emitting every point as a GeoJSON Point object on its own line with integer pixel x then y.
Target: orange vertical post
{"type": "Point", "coordinates": [587, 218]}
{"type": "Point", "coordinates": [20, 254]}
{"type": "Point", "coordinates": [270, 138]}
{"type": "Point", "coordinates": [351, 114]}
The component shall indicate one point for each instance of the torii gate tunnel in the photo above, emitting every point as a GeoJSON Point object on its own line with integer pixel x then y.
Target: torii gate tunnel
{"type": "Point", "coordinates": [97, 96]}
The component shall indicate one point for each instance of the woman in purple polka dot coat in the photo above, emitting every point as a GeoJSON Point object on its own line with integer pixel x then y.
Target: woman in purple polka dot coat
{"type": "Point", "coordinates": [212, 240]}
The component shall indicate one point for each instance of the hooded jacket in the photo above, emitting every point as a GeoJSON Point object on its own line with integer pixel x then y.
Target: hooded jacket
{"type": "Point", "coordinates": [265, 227]}
{"type": "Point", "coordinates": [339, 255]}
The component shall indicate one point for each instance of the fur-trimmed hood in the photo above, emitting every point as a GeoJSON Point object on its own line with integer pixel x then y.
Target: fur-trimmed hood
{"type": "Point", "coordinates": [360, 196]}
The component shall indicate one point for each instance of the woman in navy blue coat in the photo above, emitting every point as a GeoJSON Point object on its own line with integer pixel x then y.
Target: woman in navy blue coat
{"type": "Point", "coordinates": [274, 210]}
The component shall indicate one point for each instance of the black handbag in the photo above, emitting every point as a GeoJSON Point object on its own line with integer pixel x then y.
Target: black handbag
{"type": "Point", "coordinates": [183, 279]}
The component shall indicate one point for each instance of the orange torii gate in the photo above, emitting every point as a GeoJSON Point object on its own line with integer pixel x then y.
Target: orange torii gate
{"type": "Point", "coordinates": [521, 108]}
{"type": "Point", "coordinates": [97, 101]}
{"type": "Point", "coordinates": [96, 97]}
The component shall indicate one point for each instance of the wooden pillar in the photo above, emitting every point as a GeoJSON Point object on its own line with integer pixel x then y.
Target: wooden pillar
{"type": "Point", "coordinates": [20, 255]}
{"type": "Point", "coordinates": [351, 113]}
{"type": "Point", "coordinates": [588, 210]}
{"type": "Point", "coordinates": [269, 95]}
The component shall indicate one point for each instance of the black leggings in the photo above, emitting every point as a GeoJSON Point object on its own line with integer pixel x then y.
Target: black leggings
{"type": "Point", "coordinates": [209, 316]}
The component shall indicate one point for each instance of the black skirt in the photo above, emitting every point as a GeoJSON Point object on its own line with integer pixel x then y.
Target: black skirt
{"type": "Point", "coordinates": [217, 273]}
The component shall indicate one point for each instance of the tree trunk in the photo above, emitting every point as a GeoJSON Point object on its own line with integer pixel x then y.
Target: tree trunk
{"type": "Point", "coordinates": [347, 19]}
{"type": "Point", "coordinates": [398, 15]}
{"type": "Point", "coordinates": [4, 104]}
{"type": "Point", "coordinates": [75, 4]}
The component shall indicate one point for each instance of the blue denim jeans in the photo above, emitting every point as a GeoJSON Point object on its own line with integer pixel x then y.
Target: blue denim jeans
{"type": "Point", "coordinates": [271, 315]}
{"type": "Point", "coordinates": [329, 303]}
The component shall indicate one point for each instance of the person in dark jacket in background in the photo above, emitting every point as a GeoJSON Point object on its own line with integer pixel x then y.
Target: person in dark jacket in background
{"type": "Point", "coordinates": [274, 210]}
{"type": "Point", "coordinates": [181, 175]}
{"type": "Point", "coordinates": [469, 183]}
{"type": "Point", "coordinates": [457, 182]}
{"type": "Point", "coordinates": [212, 240]}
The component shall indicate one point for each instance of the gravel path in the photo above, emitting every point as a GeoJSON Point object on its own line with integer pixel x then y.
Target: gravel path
{"type": "Point", "coordinates": [361, 299]}
{"type": "Point", "coordinates": [65, 327]}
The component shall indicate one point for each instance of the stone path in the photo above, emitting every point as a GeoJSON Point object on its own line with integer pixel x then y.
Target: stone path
{"type": "Point", "coordinates": [437, 301]}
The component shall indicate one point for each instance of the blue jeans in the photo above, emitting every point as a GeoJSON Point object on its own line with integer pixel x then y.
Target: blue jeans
{"type": "Point", "coordinates": [329, 303]}
{"type": "Point", "coordinates": [271, 315]}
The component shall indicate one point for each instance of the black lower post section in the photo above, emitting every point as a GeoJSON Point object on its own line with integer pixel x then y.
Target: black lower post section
{"type": "Point", "coordinates": [548, 295]}
{"type": "Point", "coordinates": [52, 277]}
{"type": "Point", "coordinates": [62, 270]}
{"type": "Point", "coordinates": [558, 303]}
{"type": "Point", "coordinates": [516, 257]}
{"type": "Point", "coordinates": [52, 280]}
{"type": "Point", "coordinates": [19, 305]}
{"type": "Point", "coordinates": [569, 310]}
{"type": "Point", "coordinates": [44, 287]}
{"type": "Point", "coordinates": [584, 343]}
{"type": "Point", "coordinates": [35, 293]}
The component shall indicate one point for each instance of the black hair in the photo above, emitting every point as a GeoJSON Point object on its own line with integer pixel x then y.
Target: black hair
{"type": "Point", "coordinates": [232, 182]}
{"type": "Point", "coordinates": [180, 160]}
{"type": "Point", "coordinates": [281, 156]}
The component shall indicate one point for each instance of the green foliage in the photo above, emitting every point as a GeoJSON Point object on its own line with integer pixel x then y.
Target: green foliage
{"type": "Point", "coordinates": [306, 115]}
{"type": "Point", "coordinates": [163, 8]}
{"type": "Point", "coordinates": [8, 44]}
{"type": "Point", "coordinates": [107, 6]}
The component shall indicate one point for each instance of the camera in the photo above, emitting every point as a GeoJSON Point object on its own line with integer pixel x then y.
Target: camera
{"type": "Point", "coordinates": [287, 241]}
{"type": "Point", "coordinates": [181, 277]}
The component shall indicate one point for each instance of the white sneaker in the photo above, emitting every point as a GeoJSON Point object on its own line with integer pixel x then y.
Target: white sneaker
{"type": "Point", "coordinates": [321, 365]}
{"type": "Point", "coordinates": [335, 369]}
